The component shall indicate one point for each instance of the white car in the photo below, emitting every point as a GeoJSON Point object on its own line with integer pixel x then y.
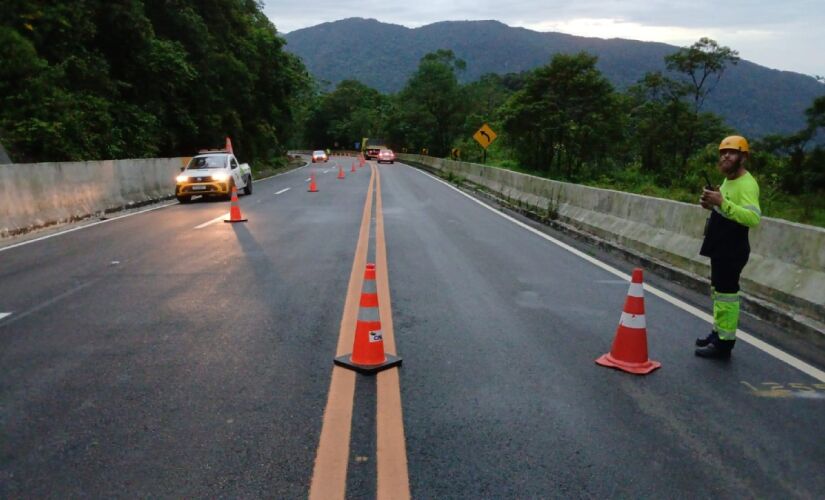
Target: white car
{"type": "Point", "coordinates": [213, 173]}
{"type": "Point", "coordinates": [319, 156]}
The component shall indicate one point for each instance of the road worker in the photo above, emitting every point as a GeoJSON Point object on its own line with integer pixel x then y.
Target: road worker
{"type": "Point", "coordinates": [734, 209]}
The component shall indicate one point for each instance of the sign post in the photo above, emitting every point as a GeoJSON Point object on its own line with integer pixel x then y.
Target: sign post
{"type": "Point", "coordinates": [485, 136]}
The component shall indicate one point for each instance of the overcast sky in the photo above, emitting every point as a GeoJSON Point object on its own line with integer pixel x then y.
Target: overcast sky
{"type": "Point", "coordinates": [787, 35]}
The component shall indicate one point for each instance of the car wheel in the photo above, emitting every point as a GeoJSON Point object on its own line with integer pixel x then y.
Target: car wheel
{"type": "Point", "coordinates": [184, 199]}
{"type": "Point", "coordinates": [248, 189]}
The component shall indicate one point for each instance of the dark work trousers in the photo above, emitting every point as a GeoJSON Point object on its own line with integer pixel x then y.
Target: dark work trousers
{"type": "Point", "coordinates": [724, 273]}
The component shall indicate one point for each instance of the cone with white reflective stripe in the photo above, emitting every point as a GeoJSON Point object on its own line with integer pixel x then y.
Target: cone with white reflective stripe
{"type": "Point", "coordinates": [629, 351]}
{"type": "Point", "coordinates": [234, 209]}
{"type": "Point", "coordinates": [368, 355]}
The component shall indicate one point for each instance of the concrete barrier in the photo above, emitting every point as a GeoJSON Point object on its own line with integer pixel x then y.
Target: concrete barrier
{"type": "Point", "coordinates": [41, 194]}
{"type": "Point", "coordinates": [787, 263]}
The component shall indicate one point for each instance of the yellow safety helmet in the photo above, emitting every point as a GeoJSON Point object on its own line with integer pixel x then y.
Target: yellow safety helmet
{"type": "Point", "coordinates": [736, 142]}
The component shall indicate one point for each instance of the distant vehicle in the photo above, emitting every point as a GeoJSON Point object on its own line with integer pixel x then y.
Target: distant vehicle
{"type": "Point", "coordinates": [371, 153]}
{"type": "Point", "coordinates": [213, 173]}
{"type": "Point", "coordinates": [386, 155]}
{"type": "Point", "coordinates": [319, 156]}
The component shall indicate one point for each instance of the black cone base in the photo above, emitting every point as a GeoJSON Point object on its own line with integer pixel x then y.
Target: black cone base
{"type": "Point", "coordinates": [344, 361]}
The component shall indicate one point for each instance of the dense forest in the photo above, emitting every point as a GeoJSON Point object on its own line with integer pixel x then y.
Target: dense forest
{"type": "Point", "coordinates": [566, 121]}
{"type": "Point", "coordinates": [753, 99]}
{"type": "Point", "coordinates": [99, 79]}
{"type": "Point", "coordinates": [96, 79]}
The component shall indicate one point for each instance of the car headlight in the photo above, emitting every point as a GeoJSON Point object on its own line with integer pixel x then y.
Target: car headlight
{"type": "Point", "coordinates": [182, 178]}
{"type": "Point", "coordinates": [222, 177]}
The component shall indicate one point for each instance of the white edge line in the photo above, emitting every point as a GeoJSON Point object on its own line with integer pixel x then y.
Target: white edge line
{"type": "Point", "coordinates": [41, 238]}
{"type": "Point", "coordinates": [3, 315]}
{"type": "Point", "coordinates": [746, 337]}
{"type": "Point", "coordinates": [61, 233]}
{"type": "Point", "coordinates": [283, 190]}
{"type": "Point", "coordinates": [216, 219]}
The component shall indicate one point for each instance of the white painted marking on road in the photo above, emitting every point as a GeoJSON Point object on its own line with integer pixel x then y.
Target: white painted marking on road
{"type": "Point", "coordinates": [308, 179]}
{"type": "Point", "coordinates": [3, 315]}
{"type": "Point", "coordinates": [216, 219]}
{"type": "Point", "coordinates": [744, 336]}
{"type": "Point", "coordinates": [84, 227]}
{"type": "Point", "coordinates": [283, 190]}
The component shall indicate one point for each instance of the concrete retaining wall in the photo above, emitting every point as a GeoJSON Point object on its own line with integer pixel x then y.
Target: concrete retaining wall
{"type": "Point", "coordinates": [41, 194]}
{"type": "Point", "coordinates": [787, 264]}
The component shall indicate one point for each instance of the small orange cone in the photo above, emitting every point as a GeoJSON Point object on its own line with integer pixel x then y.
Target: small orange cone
{"type": "Point", "coordinates": [368, 355]}
{"type": "Point", "coordinates": [341, 172]}
{"type": "Point", "coordinates": [234, 209]}
{"type": "Point", "coordinates": [629, 351]}
{"type": "Point", "coordinates": [228, 146]}
{"type": "Point", "coordinates": [312, 187]}
{"type": "Point", "coordinates": [353, 166]}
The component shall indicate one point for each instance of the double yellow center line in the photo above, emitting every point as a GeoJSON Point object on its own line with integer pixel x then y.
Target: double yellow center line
{"type": "Point", "coordinates": [329, 477]}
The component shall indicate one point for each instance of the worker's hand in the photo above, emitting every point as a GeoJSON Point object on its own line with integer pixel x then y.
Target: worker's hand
{"type": "Point", "coordinates": [711, 198]}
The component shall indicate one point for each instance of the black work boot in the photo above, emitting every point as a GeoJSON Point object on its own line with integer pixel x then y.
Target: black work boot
{"type": "Point", "coordinates": [719, 349]}
{"type": "Point", "coordinates": [702, 342]}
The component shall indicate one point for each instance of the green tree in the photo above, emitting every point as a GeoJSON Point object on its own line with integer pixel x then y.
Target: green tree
{"type": "Point", "coordinates": [565, 116]}
{"type": "Point", "coordinates": [134, 78]}
{"type": "Point", "coordinates": [429, 111]}
{"type": "Point", "coordinates": [703, 63]}
{"type": "Point", "coordinates": [346, 115]}
{"type": "Point", "coordinates": [659, 124]}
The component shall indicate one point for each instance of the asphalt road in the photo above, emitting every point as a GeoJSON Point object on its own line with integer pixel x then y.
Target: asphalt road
{"type": "Point", "coordinates": [156, 356]}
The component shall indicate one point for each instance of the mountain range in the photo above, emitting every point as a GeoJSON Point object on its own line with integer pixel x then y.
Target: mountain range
{"type": "Point", "coordinates": [753, 99]}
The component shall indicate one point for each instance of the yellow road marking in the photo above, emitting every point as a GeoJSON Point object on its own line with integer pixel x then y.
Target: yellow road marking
{"type": "Point", "coordinates": [329, 475]}
{"type": "Point", "coordinates": [391, 454]}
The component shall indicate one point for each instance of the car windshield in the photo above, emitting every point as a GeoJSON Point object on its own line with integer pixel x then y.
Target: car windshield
{"type": "Point", "coordinates": [318, 153]}
{"type": "Point", "coordinates": [215, 161]}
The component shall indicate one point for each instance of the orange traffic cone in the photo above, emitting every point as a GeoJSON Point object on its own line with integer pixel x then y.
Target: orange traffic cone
{"type": "Point", "coordinates": [312, 187]}
{"type": "Point", "coordinates": [228, 146]}
{"type": "Point", "coordinates": [341, 172]}
{"type": "Point", "coordinates": [234, 209]}
{"type": "Point", "coordinates": [368, 355]}
{"type": "Point", "coordinates": [629, 351]}
{"type": "Point", "coordinates": [353, 166]}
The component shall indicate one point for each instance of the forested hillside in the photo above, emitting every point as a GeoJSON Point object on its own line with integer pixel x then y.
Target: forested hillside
{"type": "Point", "coordinates": [752, 99]}
{"type": "Point", "coordinates": [143, 78]}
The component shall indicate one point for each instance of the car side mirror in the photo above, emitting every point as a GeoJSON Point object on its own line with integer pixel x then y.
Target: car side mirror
{"type": "Point", "coordinates": [182, 169]}
{"type": "Point", "coordinates": [234, 166]}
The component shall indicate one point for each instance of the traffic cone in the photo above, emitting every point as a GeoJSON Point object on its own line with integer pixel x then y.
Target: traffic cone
{"type": "Point", "coordinates": [368, 355]}
{"type": "Point", "coordinates": [629, 351]}
{"type": "Point", "coordinates": [312, 187]}
{"type": "Point", "coordinates": [353, 167]}
{"type": "Point", "coordinates": [228, 146]}
{"type": "Point", "coordinates": [341, 172]}
{"type": "Point", "coordinates": [234, 209]}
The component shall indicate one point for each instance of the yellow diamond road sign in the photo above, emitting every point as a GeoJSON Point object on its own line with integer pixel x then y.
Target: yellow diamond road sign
{"type": "Point", "coordinates": [485, 136]}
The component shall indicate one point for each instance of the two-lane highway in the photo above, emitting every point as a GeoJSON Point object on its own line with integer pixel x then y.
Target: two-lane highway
{"type": "Point", "coordinates": [171, 354]}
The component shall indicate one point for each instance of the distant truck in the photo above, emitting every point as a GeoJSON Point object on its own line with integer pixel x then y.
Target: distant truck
{"type": "Point", "coordinates": [371, 148]}
{"type": "Point", "coordinates": [213, 173]}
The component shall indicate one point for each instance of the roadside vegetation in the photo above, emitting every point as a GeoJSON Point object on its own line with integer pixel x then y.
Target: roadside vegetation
{"type": "Point", "coordinates": [133, 79]}
{"type": "Point", "coordinates": [565, 121]}
{"type": "Point", "coordinates": [145, 78]}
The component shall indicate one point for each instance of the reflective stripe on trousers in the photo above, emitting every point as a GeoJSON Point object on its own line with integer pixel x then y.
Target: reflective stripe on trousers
{"type": "Point", "coordinates": [725, 314]}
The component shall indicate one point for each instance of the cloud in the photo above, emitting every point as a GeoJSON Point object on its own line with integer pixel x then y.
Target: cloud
{"type": "Point", "coordinates": [761, 30]}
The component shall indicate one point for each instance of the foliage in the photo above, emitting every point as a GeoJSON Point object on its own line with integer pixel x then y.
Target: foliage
{"type": "Point", "coordinates": [343, 117]}
{"type": "Point", "coordinates": [427, 112]}
{"type": "Point", "coordinates": [565, 116]}
{"type": "Point", "coordinates": [134, 78]}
